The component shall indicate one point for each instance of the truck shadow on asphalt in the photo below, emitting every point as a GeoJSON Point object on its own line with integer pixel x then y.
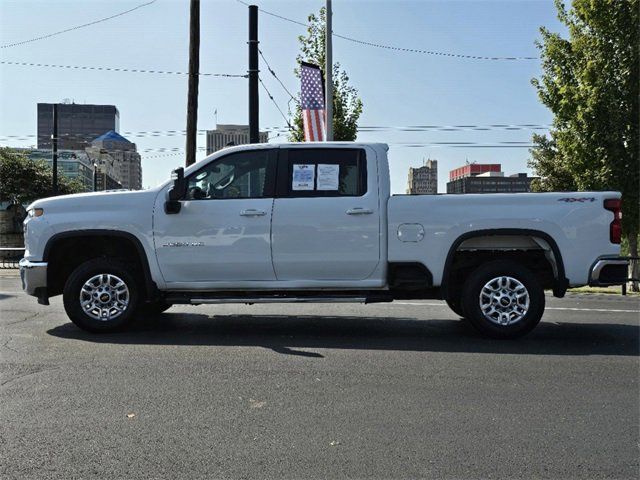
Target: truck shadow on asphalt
{"type": "Point", "coordinates": [288, 334]}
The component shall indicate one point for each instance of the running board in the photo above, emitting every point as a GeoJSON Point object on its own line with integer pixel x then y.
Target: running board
{"type": "Point", "coordinates": [250, 301]}
{"type": "Point", "coordinates": [194, 298]}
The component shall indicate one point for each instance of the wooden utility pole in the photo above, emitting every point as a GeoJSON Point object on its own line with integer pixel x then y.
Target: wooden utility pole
{"type": "Point", "coordinates": [328, 71]}
{"type": "Point", "coordinates": [254, 103]}
{"type": "Point", "coordinates": [194, 77]}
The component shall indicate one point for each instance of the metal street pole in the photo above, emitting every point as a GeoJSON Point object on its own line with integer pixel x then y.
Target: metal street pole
{"type": "Point", "coordinates": [95, 177]}
{"type": "Point", "coordinates": [254, 105]}
{"type": "Point", "coordinates": [194, 74]}
{"type": "Point", "coordinates": [54, 145]}
{"type": "Point", "coordinates": [328, 71]}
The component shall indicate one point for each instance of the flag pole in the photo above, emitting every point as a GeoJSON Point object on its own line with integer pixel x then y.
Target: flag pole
{"type": "Point", "coordinates": [329, 72]}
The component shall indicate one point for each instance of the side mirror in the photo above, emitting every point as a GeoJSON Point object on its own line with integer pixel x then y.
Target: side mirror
{"type": "Point", "coordinates": [177, 192]}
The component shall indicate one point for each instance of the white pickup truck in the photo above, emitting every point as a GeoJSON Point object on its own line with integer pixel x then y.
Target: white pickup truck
{"type": "Point", "coordinates": [315, 222]}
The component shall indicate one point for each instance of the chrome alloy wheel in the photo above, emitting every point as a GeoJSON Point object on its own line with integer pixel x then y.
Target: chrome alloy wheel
{"type": "Point", "coordinates": [104, 297]}
{"type": "Point", "coordinates": [504, 300]}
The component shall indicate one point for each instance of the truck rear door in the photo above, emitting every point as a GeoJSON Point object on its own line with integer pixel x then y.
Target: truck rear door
{"type": "Point", "coordinates": [326, 215]}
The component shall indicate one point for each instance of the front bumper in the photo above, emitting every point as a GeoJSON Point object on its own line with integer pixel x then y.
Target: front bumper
{"type": "Point", "coordinates": [609, 271]}
{"type": "Point", "coordinates": [34, 277]}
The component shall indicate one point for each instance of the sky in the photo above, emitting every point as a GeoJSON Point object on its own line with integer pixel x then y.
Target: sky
{"type": "Point", "coordinates": [397, 88]}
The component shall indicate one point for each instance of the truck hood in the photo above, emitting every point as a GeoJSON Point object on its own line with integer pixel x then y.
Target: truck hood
{"type": "Point", "coordinates": [95, 200]}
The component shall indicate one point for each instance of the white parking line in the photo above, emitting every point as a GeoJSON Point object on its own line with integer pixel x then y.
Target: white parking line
{"type": "Point", "coordinates": [604, 310]}
{"type": "Point", "coordinates": [593, 310]}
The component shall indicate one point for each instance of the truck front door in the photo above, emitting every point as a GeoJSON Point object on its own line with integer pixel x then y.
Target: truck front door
{"type": "Point", "coordinates": [326, 216]}
{"type": "Point", "coordinates": [223, 230]}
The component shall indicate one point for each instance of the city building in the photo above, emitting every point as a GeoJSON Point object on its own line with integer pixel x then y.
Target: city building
{"type": "Point", "coordinates": [472, 169]}
{"type": "Point", "coordinates": [78, 124]}
{"type": "Point", "coordinates": [104, 181]}
{"type": "Point", "coordinates": [224, 135]}
{"type": "Point", "coordinates": [118, 158]}
{"type": "Point", "coordinates": [76, 165]}
{"type": "Point", "coordinates": [487, 178]}
{"type": "Point", "coordinates": [73, 164]}
{"type": "Point", "coordinates": [423, 180]}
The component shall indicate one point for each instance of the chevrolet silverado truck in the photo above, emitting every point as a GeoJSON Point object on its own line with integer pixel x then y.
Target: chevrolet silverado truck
{"type": "Point", "coordinates": [315, 222]}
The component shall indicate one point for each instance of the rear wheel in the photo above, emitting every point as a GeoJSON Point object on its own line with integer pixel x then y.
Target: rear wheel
{"type": "Point", "coordinates": [502, 299]}
{"type": "Point", "coordinates": [100, 295]}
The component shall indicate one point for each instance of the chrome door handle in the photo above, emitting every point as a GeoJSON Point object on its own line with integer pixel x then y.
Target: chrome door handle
{"type": "Point", "coordinates": [359, 211]}
{"type": "Point", "coordinates": [251, 212]}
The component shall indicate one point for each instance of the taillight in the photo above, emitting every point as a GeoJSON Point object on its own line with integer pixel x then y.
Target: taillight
{"type": "Point", "coordinates": [615, 229]}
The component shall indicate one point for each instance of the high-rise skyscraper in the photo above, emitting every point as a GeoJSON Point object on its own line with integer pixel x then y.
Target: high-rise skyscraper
{"type": "Point", "coordinates": [78, 124]}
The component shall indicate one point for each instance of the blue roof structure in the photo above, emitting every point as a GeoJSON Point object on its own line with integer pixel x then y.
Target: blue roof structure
{"type": "Point", "coordinates": [111, 136]}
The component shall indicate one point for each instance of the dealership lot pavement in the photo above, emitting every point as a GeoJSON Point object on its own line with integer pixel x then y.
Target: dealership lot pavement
{"type": "Point", "coordinates": [399, 390]}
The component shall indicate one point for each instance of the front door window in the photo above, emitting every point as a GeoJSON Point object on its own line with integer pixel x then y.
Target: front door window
{"type": "Point", "coordinates": [238, 175]}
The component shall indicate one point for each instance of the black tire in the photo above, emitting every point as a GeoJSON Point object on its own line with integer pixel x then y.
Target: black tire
{"type": "Point", "coordinates": [471, 300]}
{"type": "Point", "coordinates": [152, 309]}
{"type": "Point", "coordinates": [456, 307]}
{"type": "Point", "coordinates": [104, 287]}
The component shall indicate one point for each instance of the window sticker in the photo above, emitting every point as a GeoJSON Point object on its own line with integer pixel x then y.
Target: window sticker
{"type": "Point", "coordinates": [328, 177]}
{"type": "Point", "coordinates": [303, 177]}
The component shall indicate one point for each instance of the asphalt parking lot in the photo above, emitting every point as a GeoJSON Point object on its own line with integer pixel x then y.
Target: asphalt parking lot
{"type": "Point", "coordinates": [399, 390]}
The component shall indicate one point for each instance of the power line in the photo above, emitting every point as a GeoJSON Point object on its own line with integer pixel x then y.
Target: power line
{"type": "Point", "coordinates": [430, 52]}
{"type": "Point", "coordinates": [442, 128]}
{"type": "Point", "coordinates": [453, 128]}
{"type": "Point", "coordinates": [522, 144]}
{"type": "Point", "coordinates": [479, 145]}
{"type": "Point", "coordinates": [276, 76]}
{"type": "Point", "coordinates": [139, 134]}
{"type": "Point", "coordinates": [177, 150]}
{"type": "Point", "coordinates": [364, 129]}
{"type": "Point", "coordinates": [275, 103]}
{"type": "Point", "coordinates": [77, 27]}
{"type": "Point", "coordinates": [115, 69]}
{"type": "Point", "coordinates": [276, 15]}
{"type": "Point", "coordinates": [464, 144]}
{"type": "Point", "coordinates": [400, 49]}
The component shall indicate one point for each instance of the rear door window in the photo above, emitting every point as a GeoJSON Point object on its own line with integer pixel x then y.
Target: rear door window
{"type": "Point", "coordinates": [323, 172]}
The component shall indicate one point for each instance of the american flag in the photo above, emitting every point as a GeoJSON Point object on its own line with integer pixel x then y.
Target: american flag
{"type": "Point", "coordinates": [313, 112]}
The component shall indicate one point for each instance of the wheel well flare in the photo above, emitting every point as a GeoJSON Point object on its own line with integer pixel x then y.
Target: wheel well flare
{"type": "Point", "coordinates": [65, 253]}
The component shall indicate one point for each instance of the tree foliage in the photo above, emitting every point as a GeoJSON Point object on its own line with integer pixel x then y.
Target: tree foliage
{"type": "Point", "coordinates": [590, 83]}
{"type": "Point", "coordinates": [347, 105]}
{"type": "Point", "coordinates": [26, 180]}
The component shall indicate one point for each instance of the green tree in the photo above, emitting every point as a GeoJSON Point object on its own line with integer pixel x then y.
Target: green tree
{"type": "Point", "coordinates": [347, 106]}
{"type": "Point", "coordinates": [26, 180]}
{"type": "Point", "coordinates": [590, 82]}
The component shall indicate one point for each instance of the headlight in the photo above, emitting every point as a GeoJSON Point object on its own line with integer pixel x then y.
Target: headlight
{"type": "Point", "coordinates": [35, 212]}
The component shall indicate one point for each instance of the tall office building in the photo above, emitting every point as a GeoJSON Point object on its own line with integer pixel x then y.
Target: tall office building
{"type": "Point", "coordinates": [223, 135]}
{"type": "Point", "coordinates": [118, 158]}
{"type": "Point", "coordinates": [78, 124]}
{"type": "Point", "coordinates": [423, 180]}
{"type": "Point", "coordinates": [487, 178]}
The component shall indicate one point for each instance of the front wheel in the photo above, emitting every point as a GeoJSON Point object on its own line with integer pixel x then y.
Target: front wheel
{"type": "Point", "coordinates": [100, 295]}
{"type": "Point", "coordinates": [503, 299]}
